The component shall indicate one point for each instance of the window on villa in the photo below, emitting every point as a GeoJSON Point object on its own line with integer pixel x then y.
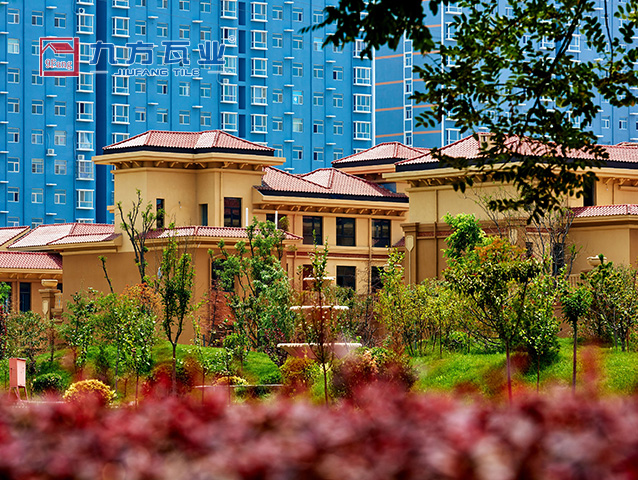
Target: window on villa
{"type": "Point", "coordinates": [347, 277]}
{"type": "Point", "coordinates": [312, 230]}
{"type": "Point", "coordinates": [346, 232]}
{"type": "Point", "coordinates": [232, 212]}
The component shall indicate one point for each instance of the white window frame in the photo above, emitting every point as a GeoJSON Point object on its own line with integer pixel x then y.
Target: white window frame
{"type": "Point", "coordinates": [362, 76]}
{"type": "Point", "coordinates": [85, 170]}
{"type": "Point", "coordinates": [85, 200]}
{"type": "Point", "coordinates": [86, 23]}
{"type": "Point", "coordinates": [229, 93]}
{"type": "Point", "coordinates": [259, 67]}
{"type": "Point", "coordinates": [362, 103]}
{"type": "Point", "coordinates": [362, 130]}
{"type": "Point", "coordinates": [259, 95]}
{"type": "Point", "coordinates": [228, 9]}
{"type": "Point", "coordinates": [184, 117]}
{"type": "Point", "coordinates": [120, 85]}
{"type": "Point", "coordinates": [229, 121]}
{"type": "Point", "coordinates": [258, 123]}
{"type": "Point", "coordinates": [259, 12]}
{"type": "Point", "coordinates": [13, 46]}
{"type": "Point", "coordinates": [230, 65]}
{"type": "Point", "coordinates": [85, 140]}
{"type": "Point", "coordinates": [83, 86]}
{"type": "Point", "coordinates": [259, 40]}
{"type": "Point", "coordinates": [297, 125]}
{"type": "Point", "coordinates": [37, 195]}
{"type": "Point", "coordinates": [229, 36]}
{"type": "Point", "coordinates": [120, 27]}
{"type": "Point", "coordinates": [120, 113]}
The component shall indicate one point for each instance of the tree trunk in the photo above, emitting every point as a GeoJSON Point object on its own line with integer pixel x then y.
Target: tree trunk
{"type": "Point", "coordinates": [538, 373]}
{"type": "Point", "coordinates": [174, 376]}
{"type": "Point", "coordinates": [325, 382]}
{"type": "Point", "coordinates": [137, 384]}
{"type": "Point", "coordinates": [575, 327]}
{"type": "Point", "coordinates": [509, 373]}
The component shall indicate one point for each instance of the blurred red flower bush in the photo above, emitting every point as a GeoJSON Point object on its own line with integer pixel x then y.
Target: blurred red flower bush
{"type": "Point", "coordinates": [388, 435]}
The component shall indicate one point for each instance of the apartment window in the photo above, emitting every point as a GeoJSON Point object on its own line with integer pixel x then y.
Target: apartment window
{"type": "Point", "coordinates": [13, 222]}
{"type": "Point", "coordinates": [162, 3]}
{"type": "Point", "coordinates": [85, 170]}
{"type": "Point", "coordinates": [297, 69]}
{"type": "Point", "coordinates": [362, 130]}
{"type": "Point", "coordinates": [259, 95]}
{"type": "Point", "coordinates": [229, 93]}
{"type": "Point", "coordinates": [184, 32]}
{"type": "Point", "coordinates": [59, 82]}
{"type": "Point", "coordinates": [345, 232]}
{"type": "Point", "coordinates": [277, 124]}
{"type": "Point", "coordinates": [13, 75]}
{"type": "Point", "coordinates": [85, 82]}
{"type": "Point", "coordinates": [13, 165]}
{"type": "Point", "coordinates": [232, 212]}
{"type": "Point", "coordinates": [258, 12]}
{"type": "Point", "coordinates": [59, 20]}
{"type": "Point", "coordinates": [297, 97]}
{"type": "Point", "coordinates": [118, 137]}
{"type": "Point", "coordinates": [317, 44]}
{"type": "Point", "coordinates": [184, 117]}
{"type": "Point", "coordinates": [159, 212]}
{"type": "Point", "coordinates": [347, 277]}
{"type": "Point", "coordinates": [259, 40]}
{"type": "Point", "coordinates": [606, 122]}
{"type": "Point", "coordinates": [162, 87]}
{"type": "Point", "coordinates": [59, 109]}
{"type": "Point", "coordinates": [37, 137]}
{"type": "Point", "coordinates": [362, 103]}
{"type": "Point", "coordinates": [259, 66]}
{"type": "Point", "coordinates": [13, 16]}
{"type": "Point", "coordinates": [317, 17]}
{"type": "Point", "coordinates": [317, 71]}
{"type": "Point", "coordinates": [59, 167]}
{"type": "Point", "coordinates": [258, 123]}
{"type": "Point", "coordinates": [229, 9]}
{"type": "Point", "coordinates": [229, 121]}
{"type": "Point", "coordinates": [312, 230]}
{"type": "Point", "coordinates": [85, 111]}
{"type": "Point", "coordinates": [85, 23]}
{"type": "Point", "coordinates": [317, 99]}
{"type": "Point", "coordinates": [337, 100]}
{"type": "Point", "coordinates": [35, 48]}
{"type": "Point", "coordinates": [381, 233]}
{"type": "Point", "coordinates": [277, 68]}
{"type": "Point", "coordinates": [337, 73]}
{"type": "Point", "coordinates": [140, 3]}
{"type": "Point", "coordinates": [140, 114]}
{"type": "Point", "coordinates": [184, 89]}
{"type": "Point", "coordinates": [297, 42]}
{"type": "Point", "coordinates": [205, 90]}
{"type": "Point", "coordinates": [36, 79]}
{"type": "Point", "coordinates": [162, 115]}
{"type": "Point", "coordinates": [120, 85]}
{"type": "Point", "coordinates": [13, 46]}
{"type": "Point", "coordinates": [206, 119]}
{"type": "Point", "coordinates": [140, 85]}
{"type": "Point", "coordinates": [120, 27]}
{"type": "Point", "coordinates": [85, 199]}
{"type": "Point", "coordinates": [140, 27]}
{"type": "Point", "coordinates": [59, 197]}
{"type": "Point", "coordinates": [37, 165]}
{"type": "Point", "coordinates": [337, 153]}
{"type": "Point", "coordinates": [85, 53]}
{"type": "Point", "coordinates": [37, 195]}
{"type": "Point", "coordinates": [13, 194]}
{"type": "Point", "coordinates": [337, 128]}
{"type": "Point", "coordinates": [229, 36]}
{"type": "Point", "coordinates": [37, 19]}
{"type": "Point", "coordinates": [120, 113]}
{"type": "Point", "coordinates": [205, 33]}
{"type": "Point", "coordinates": [277, 13]}
{"type": "Point", "coordinates": [317, 154]}
{"type": "Point", "coordinates": [277, 40]}
{"type": "Point", "coordinates": [204, 6]}
{"type": "Point", "coordinates": [85, 140]}
{"type": "Point", "coordinates": [317, 126]}
{"type": "Point", "coordinates": [297, 14]}
{"type": "Point", "coordinates": [184, 5]}
{"type": "Point", "coordinates": [162, 30]}
{"type": "Point", "coordinates": [297, 125]}
{"type": "Point", "coordinates": [622, 123]}
{"type": "Point", "coordinates": [297, 153]}
{"type": "Point", "coordinates": [14, 105]}
{"type": "Point", "coordinates": [279, 150]}
{"type": "Point", "coordinates": [359, 45]}
{"type": "Point", "coordinates": [362, 76]}
{"type": "Point", "coordinates": [59, 138]}
{"type": "Point", "coordinates": [230, 65]}
{"type": "Point", "coordinates": [277, 96]}
{"type": "Point", "coordinates": [453, 135]}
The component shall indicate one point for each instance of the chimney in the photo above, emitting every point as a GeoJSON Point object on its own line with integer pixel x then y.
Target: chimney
{"type": "Point", "coordinates": [486, 141]}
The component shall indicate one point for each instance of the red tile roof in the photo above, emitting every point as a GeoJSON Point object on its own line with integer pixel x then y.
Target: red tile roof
{"type": "Point", "coordinates": [211, 232]}
{"type": "Point", "coordinates": [60, 234]}
{"type": "Point", "coordinates": [468, 147]}
{"type": "Point", "coordinates": [324, 181]}
{"type": "Point", "coordinates": [207, 140]}
{"type": "Point", "coordinates": [9, 233]}
{"type": "Point", "coordinates": [393, 151]}
{"type": "Point", "coordinates": [30, 261]}
{"type": "Point", "coordinates": [605, 210]}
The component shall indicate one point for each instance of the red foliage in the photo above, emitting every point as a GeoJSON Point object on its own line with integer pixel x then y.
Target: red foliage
{"type": "Point", "coordinates": [388, 435]}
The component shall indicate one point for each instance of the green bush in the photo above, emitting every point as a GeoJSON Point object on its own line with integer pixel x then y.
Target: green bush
{"type": "Point", "coordinates": [272, 378]}
{"type": "Point", "coordinates": [299, 372]}
{"type": "Point", "coordinates": [86, 389]}
{"type": "Point", "coordinates": [48, 383]}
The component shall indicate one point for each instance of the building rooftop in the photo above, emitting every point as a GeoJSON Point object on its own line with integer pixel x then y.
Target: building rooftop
{"type": "Point", "coordinates": [64, 233]}
{"type": "Point", "coordinates": [188, 142]}
{"type": "Point", "coordinates": [212, 232]}
{"type": "Point", "coordinates": [30, 261]}
{"type": "Point", "coordinates": [324, 182]}
{"type": "Point", "coordinates": [605, 210]}
{"type": "Point", "coordinates": [383, 153]}
{"type": "Point", "coordinates": [8, 234]}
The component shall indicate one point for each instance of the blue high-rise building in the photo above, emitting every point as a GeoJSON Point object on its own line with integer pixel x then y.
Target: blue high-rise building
{"type": "Point", "coordinates": [395, 80]}
{"type": "Point", "coordinates": [277, 87]}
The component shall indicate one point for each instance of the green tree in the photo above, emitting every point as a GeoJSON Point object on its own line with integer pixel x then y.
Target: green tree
{"type": "Point", "coordinates": [137, 223]}
{"type": "Point", "coordinates": [174, 285]}
{"type": "Point", "coordinates": [576, 302]}
{"type": "Point", "coordinates": [495, 75]}
{"type": "Point", "coordinates": [78, 330]}
{"type": "Point", "coordinates": [466, 234]}
{"type": "Point", "coordinates": [28, 336]}
{"type": "Point", "coordinates": [260, 294]}
{"type": "Point", "coordinates": [5, 292]}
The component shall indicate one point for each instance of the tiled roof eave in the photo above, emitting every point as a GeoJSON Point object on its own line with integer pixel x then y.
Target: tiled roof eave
{"type": "Point", "coordinates": [397, 198]}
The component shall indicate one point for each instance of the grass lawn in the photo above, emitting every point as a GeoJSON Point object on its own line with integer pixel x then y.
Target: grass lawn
{"type": "Point", "coordinates": [603, 368]}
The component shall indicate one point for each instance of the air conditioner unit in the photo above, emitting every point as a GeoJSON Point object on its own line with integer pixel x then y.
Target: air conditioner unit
{"type": "Point", "coordinates": [80, 157]}
{"type": "Point", "coordinates": [50, 151]}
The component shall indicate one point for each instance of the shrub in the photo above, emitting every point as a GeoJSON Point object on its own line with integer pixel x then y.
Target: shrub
{"type": "Point", "coordinates": [48, 383]}
{"type": "Point", "coordinates": [299, 372]}
{"type": "Point", "coordinates": [233, 380]}
{"type": "Point", "coordinates": [89, 389]}
{"type": "Point", "coordinates": [272, 378]}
